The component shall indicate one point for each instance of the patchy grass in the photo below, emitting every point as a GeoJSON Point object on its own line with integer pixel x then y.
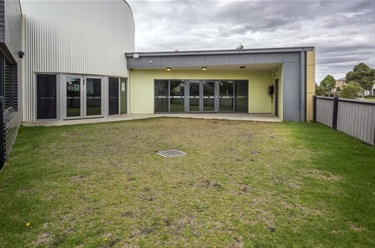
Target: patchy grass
{"type": "Point", "coordinates": [242, 184]}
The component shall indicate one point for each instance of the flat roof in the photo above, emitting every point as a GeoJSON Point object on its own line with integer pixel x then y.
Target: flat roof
{"type": "Point", "coordinates": [219, 52]}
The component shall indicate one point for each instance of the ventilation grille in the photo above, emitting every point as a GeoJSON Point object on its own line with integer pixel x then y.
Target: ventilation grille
{"type": "Point", "coordinates": [171, 153]}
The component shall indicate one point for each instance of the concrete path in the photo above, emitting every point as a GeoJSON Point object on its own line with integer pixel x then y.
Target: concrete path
{"type": "Point", "coordinates": [127, 117]}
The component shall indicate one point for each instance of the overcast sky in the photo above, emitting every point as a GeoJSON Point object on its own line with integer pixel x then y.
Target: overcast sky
{"type": "Point", "coordinates": [342, 31]}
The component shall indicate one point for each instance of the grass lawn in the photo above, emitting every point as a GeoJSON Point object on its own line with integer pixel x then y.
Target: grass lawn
{"type": "Point", "coordinates": [242, 184]}
{"type": "Point", "coordinates": [370, 98]}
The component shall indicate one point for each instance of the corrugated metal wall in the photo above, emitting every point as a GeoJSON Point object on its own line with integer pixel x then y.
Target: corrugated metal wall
{"type": "Point", "coordinates": [357, 120]}
{"type": "Point", "coordinates": [324, 111]}
{"type": "Point", "coordinates": [83, 37]}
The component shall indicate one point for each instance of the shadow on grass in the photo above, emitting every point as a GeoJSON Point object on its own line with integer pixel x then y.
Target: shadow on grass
{"type": "Point", "coordinates": [350, 162]}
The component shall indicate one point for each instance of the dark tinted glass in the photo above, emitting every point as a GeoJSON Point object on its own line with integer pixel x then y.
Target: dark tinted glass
{"type": "Point", "coordinates": [46, 96]}
{"type": "Point", "coordinates": [226, 96]}
{"type": "Point", "coordinates": [177, 96]}
{"type": "Point", "coordinates": [93, 96]}
{"type": "Point", "coordinates": [241, 96]}
{"type": "Point", "coordinates": [209, 96]}
{"type": "Point", "coordinates": [161, 96]}
{"type": "Point", "coordinates": [113, 96]}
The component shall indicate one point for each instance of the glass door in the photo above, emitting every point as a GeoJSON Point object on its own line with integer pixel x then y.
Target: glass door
{"type": "Point", "coordinates": [177, 96]}
{"type": "Point", "coordinates": [226, 97]}
{"type": "Point", "coordinates": [73, 97]}
{"type": "Point", "coordinates": [83, 97]}
{"type": "Point", "coordinates": [202, 96]}
{"type": "Point", "coordinates": [194, 96]}
{"type": "Point", "coordinates": [93, 96]}
{"type": "Point", "coordinates": [209, 93]}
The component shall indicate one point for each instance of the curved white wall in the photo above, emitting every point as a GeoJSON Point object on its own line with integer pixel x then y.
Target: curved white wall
{"type": "Point", "coordinates": [84, 37]}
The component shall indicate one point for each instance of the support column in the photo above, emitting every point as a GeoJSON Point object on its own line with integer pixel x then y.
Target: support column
{"type": "Point", "coordinates": [303, 86]}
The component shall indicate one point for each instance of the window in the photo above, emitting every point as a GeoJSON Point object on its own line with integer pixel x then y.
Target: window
{"type": "Point", "coordinates": [46, 96]}
{"type": "Point", "coordinates": [161, 95]}
{"type": "Point", "coordinates": [9, 83]}
{"type": "Point", "coordinates": [113, 89]}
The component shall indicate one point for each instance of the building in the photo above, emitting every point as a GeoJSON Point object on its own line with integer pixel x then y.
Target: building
{"type": "Point", "coordinates": [10, 71]}
{"type": "Point", "coordinates": [75, 68]}
{"type": "Point", "coordinates": [74, 58]}
{"type": "Point", "coordinates": [63, 60]}
{"type": "Point", "coordinates": [339, 83]}
{"type": "Point", "coordinates": [278, 81]}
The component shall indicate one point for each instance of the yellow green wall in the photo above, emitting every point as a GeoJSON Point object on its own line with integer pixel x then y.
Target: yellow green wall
{"type": "Point", "coordinates": [141, 86]}
{"type": "Point", "coordinates": [278, 74]}
{"type": "Point", "coordinates": [310, 87]}
{"type": "Point", "coordinates": [259, 100]}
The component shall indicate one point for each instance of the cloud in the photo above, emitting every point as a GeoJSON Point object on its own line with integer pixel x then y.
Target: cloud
{"type": "Point", "coordinates": [343, 31]}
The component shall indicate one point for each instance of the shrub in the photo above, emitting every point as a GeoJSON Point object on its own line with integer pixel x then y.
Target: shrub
{"type": "Point", "coordinates": [351, 90]}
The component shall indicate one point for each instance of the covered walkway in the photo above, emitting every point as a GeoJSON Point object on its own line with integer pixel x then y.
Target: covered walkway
{"type": "Point", "coordinates": [128, 117]}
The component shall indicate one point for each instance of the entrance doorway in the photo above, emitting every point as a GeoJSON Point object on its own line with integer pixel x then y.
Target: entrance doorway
{"type": "Point", "coordinates": [277, 97]}
{"type": "Point", "coordinates": [202, 96]}
{"type": "Point", "coordinates": [179, 96]}
{"type": "Point", "coordinates": [84, 97]}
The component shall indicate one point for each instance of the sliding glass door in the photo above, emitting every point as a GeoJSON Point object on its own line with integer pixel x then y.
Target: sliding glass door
{"type": "Point", "coordinates": [209, 96]}
{"type": "Point", "coordinates": [73, 96]}
{"type": "Point", "coordinates": [226, 103]}
{"type": "Point", "coordinates": [93, 96]}
{"type": "Point", "coordinates": [84, 97]}
{"type": "Point", "coordinates": [194, 96]}
{"type": "Point", "coordinates": [177, 96]}
{"type": "Point", "coordinates": [201, 96]}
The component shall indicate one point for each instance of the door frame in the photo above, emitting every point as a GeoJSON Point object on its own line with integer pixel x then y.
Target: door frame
{"type": "Point", "coordinates": [187, 95]}
{"type": "Point", "coordinates": [276, 97]}
{"type": "Point", "coordinates": [83, 96]}
{"type": "Point", "coordinates": [201, 96]}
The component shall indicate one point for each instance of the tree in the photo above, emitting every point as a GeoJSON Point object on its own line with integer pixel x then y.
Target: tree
{"type": "Point", "coordinates": [320, 90]}
{"type": "Point", "coordinates": [362, 74]}
{"type": "Point", "coordinates": [329, 83]}
{"type": "Point", "coordinates": [351, 90]}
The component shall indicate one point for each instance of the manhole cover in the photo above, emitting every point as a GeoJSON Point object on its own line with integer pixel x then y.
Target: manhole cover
{"type": "Point", "coordinates": [171, 153]}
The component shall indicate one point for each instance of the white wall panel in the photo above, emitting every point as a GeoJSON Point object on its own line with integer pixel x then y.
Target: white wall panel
{"type": "Point", "coordinates": [85, 37]}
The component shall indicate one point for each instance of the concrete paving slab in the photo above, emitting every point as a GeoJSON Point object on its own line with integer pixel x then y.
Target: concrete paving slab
{"type": "Point", "coordinates": [127, 117]}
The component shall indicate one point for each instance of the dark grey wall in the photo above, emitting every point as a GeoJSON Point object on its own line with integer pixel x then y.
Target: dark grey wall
{"type": "Point", "coordinates": [10, 29]}
{"type": "Point", "coordinates": [292, 91]}
{"type": "Point", "coordinates": [2, 22]}
{"type": "Point", "coordinates": [159, 62]}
